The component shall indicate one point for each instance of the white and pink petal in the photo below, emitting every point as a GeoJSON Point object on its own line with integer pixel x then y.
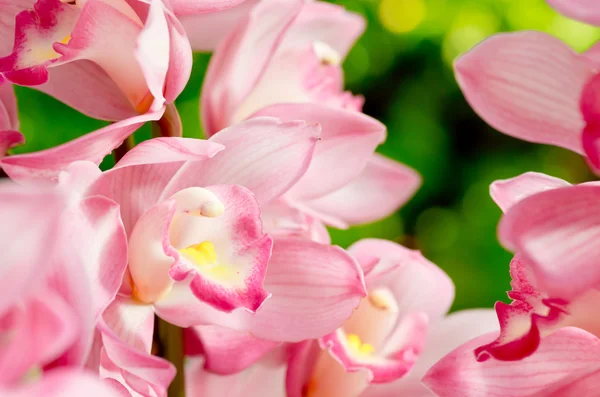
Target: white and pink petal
{"type": "Point", "coordinates": [383, 181]}
{"type": "Point", "coordinates": [527, 85]}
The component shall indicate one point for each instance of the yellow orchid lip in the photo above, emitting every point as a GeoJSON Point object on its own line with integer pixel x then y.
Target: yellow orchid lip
{"type": "Point", "coordinates": [204, 257]}
{"type": "Point", "coordinates": [201, 255]}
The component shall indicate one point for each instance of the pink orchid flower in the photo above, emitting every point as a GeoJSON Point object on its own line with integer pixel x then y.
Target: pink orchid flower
{"type": "Point", "coordinates": [552, 226]}
{"type": "Point", "coordinates": [99, 56]}
{"type": "Point", "coordinates": [166, 201]}
{"type": "Point", "coordinates": [283, 59]}
{"type": "Point", "coordinates": [197, 254]}
{"type": "Point", "coordinates": [9, 120]}
{"type": "Point", "coordinates": [534, 87]}
{"type": "Point", "coordinates": [58, 276]}
{"type": "Point", "coordinates": [566, 364]}
{"type": "Point", "coordinates": [265, 156]}
{"type": "Point", "coordinates": [298, 47]}
{"type": "Point", "coordinates": [383, 349]}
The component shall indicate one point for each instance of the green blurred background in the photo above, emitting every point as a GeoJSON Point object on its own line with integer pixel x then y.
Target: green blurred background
{"type": "Point", "coordinates": [403, 67]}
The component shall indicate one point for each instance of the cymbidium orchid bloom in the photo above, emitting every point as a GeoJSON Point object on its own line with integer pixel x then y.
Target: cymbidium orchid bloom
{"type": "Point", "coordinates": [533, 86]}
{"type": "Point", "coordinates": [209, 231]}
{"type": "Point", "coordinates": [197, 253]}
{"type": "Point", "coordinates": [98, 56]}
{"type": "Point", "coordinates": [552, 226]}
{"type": "Point", "coordinates": [383, 349]}
{"type": "Point", "coordinates": [283, 60]}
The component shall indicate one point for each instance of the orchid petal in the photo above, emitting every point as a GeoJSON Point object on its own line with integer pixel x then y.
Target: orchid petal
{"type": "Point", "coordinates": [348, 140]}
{"type": "Point", "coordinates": [66, 282]}
{"type": "Point", "coordinates": [111, 45]}
{"type": "Point", "coordinates": [151, 254]}
{"type": "Point", "coordinates": [554, 228]}
{"type": "Point", "coordinates": [417, 284]}
{"type": "Point", "coordinates": [94, 93]}
{"type": "Point", "coordinates": [180, 59]}
{"type": "Point", "coordinates": [264, 155]}
{"type": "Point", "coordinates": [186, 7]}
{"type": "Point", "coordinates": [152, 51]}
{"type": "Point", "coordinates": [148, 168]}
{"type": "Point", "coordinates": [330, 291]}
{"type": "Point", "coordinates": [28, 258]}
{"type": "Point", "coordinates": [42, 328]}
{"type": "Point", "coordinates": [99, 241]}
{"type": "Point", "coordinates": [166, 150]}
{"type": "Point", "coordinates": [8, 140]}
{"type": "Point", "coordinates": [9, 117]}
{"type": "Point", "coordinates": [227, 351]}
{"type": "Point", "coordinates": [283, 221]}
{"type": "Point", "coordinates": [90, 276]}
{"type": "Point", "coordinates": [47, 164]}
{"type": "Point", "coordinates": [591, 113]}
{"type": "Point", "coordinates": [579, 384]}
{"type": "Point", "coordinates": [510, 191]}
{"type": "Point", "coordinates": [383, 181]}
{"type": "Point", "coordinates": [527, 85]}
{"type": "Point", "coordinates": [299, 370]}
{"type": "Point", "coordinates": [560, 355]}
{"type": "Point", "coordinates": [207, 30]}
{"type": "Point", "coordinates": [265, 379]}
{"type": "Point", "coordinates": [131, 321]}
{"type": "Point", "coordinates": [142, 372]}
{"type": "Point", "coordinates": [241, 59]}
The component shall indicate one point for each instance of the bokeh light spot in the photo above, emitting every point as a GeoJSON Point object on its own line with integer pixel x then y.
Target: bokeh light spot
{"type": "Point", "coordinates": [402, 16]}
{"type": "Point", "coordinates": [578, 35]}
{"type": "Point", "coordinates": [471, 26]}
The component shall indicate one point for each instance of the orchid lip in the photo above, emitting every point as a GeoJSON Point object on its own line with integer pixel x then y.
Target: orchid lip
{"type": "Point", "coordinates": [204, 258]}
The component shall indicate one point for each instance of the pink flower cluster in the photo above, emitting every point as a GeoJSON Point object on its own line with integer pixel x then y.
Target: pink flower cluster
{"type": "Point", "coordinates": [219, 246]}
{"type": "Point", "coordinates": [532, 86]}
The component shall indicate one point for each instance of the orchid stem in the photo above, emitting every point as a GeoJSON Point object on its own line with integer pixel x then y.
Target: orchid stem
{"type": "Point", "coordinates": [126, 146]}
{"type": "Point", "coordinates": [169, 124]}
{"type": "Point", "coordinates": [171, 341]}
